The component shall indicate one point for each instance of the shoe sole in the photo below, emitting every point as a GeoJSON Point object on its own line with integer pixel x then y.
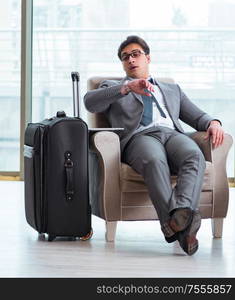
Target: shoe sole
{"type": "Point", "coordinates": [173, 222]}
{"type": "Point", "coordinates": [187, 239]}
{"type": "Point", "coordinates": [189, 247]}
{"type": "Point", "coordinates": [172, 238]}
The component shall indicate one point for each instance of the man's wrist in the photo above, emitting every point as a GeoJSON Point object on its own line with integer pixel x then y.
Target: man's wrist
{"type": "Point", "coordinates": [125, 90]}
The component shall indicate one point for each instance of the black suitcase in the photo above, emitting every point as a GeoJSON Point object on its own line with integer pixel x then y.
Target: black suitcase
{"type": "Point", "coordinates": [56, 174]}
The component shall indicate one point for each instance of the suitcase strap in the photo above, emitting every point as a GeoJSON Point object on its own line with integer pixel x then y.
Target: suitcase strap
{"type": "Point", "coordinates": [69, 189]}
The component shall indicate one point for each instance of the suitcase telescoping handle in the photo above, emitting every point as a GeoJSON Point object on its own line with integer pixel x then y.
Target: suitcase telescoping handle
{"type": "Point", "coordinates": [76, 101]}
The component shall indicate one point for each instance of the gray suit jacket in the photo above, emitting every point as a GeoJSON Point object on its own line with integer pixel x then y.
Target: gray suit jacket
{"type": "Point", "coordinates": [126, 111]}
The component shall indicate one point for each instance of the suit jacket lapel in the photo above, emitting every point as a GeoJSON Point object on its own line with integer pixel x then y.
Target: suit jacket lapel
{"type": "Point", "coordinates": [138, 96]}
{"type": "Point", "coordinates": [166, 97]}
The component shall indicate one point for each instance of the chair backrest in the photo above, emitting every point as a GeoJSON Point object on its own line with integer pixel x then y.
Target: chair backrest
{"type": "Point", "coordinates": [98, 120]}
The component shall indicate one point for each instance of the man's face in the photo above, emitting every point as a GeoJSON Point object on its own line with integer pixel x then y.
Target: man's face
{"type": "Point", "coordinates": [137, 66]}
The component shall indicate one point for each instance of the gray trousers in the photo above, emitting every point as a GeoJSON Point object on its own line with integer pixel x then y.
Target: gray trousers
{"type": "Point", "coordinates": [158, 153]}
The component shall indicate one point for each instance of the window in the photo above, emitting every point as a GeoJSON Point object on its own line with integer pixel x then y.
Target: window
{"type": "Point", "coordinates": [10, 85]}
{"type": "Point", "coordinates": [191, 41]}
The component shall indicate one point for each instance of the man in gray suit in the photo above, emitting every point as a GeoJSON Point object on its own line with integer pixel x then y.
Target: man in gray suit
{"type": "Point", "coordinates": [153, 142]}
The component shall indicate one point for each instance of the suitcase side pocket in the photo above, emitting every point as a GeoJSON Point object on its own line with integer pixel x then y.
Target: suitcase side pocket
{"type": "Point", "coordinates": [30, 197]}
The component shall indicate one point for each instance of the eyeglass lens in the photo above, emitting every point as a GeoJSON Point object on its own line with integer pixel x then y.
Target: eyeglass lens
{"type": "Point", "coordinates": [134, 54]}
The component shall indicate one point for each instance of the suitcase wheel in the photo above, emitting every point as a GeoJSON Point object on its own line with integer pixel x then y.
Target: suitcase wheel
{"type": "Point", "coordinates": [51, 237]}
{"type": "Point", "coordinates": [87, 237]}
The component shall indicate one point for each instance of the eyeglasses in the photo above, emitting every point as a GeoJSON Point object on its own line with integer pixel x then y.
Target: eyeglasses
{"type": "Point", "coordinates": [135, 53]}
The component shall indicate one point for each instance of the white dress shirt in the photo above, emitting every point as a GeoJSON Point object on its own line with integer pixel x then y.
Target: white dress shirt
{"type": "Point", "coordinates": [158, 120]}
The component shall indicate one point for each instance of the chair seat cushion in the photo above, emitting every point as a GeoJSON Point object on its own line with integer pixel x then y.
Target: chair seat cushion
{"type": "Point", "coordinates": [131, 181]}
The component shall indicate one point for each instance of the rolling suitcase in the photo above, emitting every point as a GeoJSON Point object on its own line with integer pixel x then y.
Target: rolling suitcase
{"type": "Point", "coordinates": [56, 174]}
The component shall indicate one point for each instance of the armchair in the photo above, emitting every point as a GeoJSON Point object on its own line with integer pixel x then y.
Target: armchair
{"type": "Point", "coordinates": [120, 192]}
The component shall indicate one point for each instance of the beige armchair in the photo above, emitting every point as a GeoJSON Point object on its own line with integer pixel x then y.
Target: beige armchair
{"type": "Point", "coordinates": [120, 194]}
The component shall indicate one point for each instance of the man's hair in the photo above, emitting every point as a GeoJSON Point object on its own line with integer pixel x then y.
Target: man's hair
{"type": "Point", "coordinates": [133, 39]}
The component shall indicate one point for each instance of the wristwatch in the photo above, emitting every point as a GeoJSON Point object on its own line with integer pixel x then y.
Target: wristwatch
{"type": "Point", "coordinates": [125, 90]}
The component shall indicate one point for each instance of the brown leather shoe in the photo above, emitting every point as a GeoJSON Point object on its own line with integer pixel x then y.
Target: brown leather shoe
{"type": "Point", "coordinates": [180, 219]}
{"type": "Point", "coordinates": [172, 238]}
{"type": "Point", "coordinates": [187, 238]}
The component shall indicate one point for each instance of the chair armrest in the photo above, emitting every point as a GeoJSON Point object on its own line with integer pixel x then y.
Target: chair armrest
{"type": "Point", "coordinates": [204, 145]}
{"type": "Point", "coordinates": [221, 188]}
{"type": "Point", "coordinates": [218, 157]}
{"type": "Point", "coordinates": [106, 145]}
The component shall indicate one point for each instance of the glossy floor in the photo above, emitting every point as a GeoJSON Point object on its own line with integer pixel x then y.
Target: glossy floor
{"type": "Point", "coordinates": [139, 249]}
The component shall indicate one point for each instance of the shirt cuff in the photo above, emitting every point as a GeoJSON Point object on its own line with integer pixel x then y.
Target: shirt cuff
{"type": "Point", "coordinates": [215, 120]}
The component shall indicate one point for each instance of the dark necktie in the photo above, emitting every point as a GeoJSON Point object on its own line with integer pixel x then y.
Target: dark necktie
{"type": "Point", "coordinates": [148, 107]}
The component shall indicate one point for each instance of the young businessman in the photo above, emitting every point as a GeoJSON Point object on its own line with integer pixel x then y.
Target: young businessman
{"type": "Point", "coordinates": [153, 142]}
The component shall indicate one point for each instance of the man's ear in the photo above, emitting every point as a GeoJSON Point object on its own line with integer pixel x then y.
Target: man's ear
{"type": "Point", "coordinates": [148, 58]}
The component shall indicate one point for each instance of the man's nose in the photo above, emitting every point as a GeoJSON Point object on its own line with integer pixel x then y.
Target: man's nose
{"type": "Point", "coordinates": [130, 59]}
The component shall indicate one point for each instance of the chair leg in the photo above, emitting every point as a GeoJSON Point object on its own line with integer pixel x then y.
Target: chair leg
{"type": "Point", "coordinates": [110, 231]}
{"type": "Point", "coordinates": [217, 227]}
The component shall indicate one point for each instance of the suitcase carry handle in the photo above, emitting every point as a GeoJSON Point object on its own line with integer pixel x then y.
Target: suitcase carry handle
{"type": "Point", "coordinates": [75, 76]}
{"type": "Point", "coordinates": [68, 164]}
{"type": "Point", "coordinates": [76, 102]}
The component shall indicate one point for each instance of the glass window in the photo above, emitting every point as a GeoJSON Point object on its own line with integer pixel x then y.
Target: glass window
{"type": "Point", "coordinates": [191, 41]}
{"type": "Point", "coordinates": [10, 85]}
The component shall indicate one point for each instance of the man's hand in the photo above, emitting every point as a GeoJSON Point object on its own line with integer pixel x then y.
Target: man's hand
{"type": "Point", "coordinates": [216, 131]}
{"type": "Point", "coordinates": [139, 85]}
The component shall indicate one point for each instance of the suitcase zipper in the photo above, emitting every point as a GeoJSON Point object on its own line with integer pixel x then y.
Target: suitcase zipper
{"type": "Point", "coordinates": [43, 204]}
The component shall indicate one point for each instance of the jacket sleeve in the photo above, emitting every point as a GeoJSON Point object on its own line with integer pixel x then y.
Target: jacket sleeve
{"type": "Point", "coordinates": [192, 115]}
{"type": "Point", "coordinates": [99, 100]}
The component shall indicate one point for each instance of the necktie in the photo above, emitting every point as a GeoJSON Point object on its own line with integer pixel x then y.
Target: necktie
{"type": "Point", "coordinates": [148, 107]}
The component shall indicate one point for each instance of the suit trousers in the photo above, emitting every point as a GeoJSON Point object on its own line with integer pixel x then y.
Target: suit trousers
{"type": "Point", "coordinates": [156, 154]}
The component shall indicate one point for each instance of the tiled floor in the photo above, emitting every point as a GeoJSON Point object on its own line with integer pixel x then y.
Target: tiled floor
{"type": "Point", "coordinates": [139, 250]}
